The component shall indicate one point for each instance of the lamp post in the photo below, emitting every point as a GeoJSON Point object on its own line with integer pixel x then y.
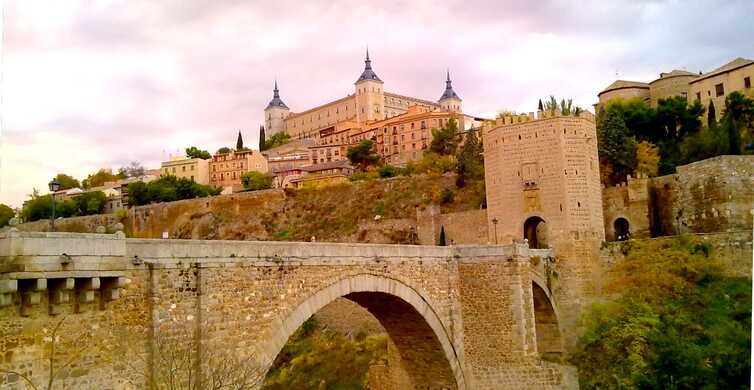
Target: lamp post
{"type": "Point", "coordinates": [54, 187]}
{"type": "Point", "coordinates": [494, 224]}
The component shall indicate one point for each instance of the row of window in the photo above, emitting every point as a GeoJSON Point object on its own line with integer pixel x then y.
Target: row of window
{"type": "Point", "coordinates": [227, 166]}
{"type": "Point", "coordinates": [172, 170]}
{"type": "Point", "coordinates": [720, 89]}
{"type": "Point", "coordinates": [225, 176]}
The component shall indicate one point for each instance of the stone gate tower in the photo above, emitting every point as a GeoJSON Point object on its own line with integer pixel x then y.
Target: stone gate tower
{"type": "Point", "coordinates": [543, 186]}
{"type": "Point", "coordinates": [370, 95]}
{"type": "Point", "coordinates": [275, 113]}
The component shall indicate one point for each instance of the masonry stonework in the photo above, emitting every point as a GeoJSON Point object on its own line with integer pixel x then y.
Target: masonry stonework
{"type": "Point", "coordinates": [245, 299]}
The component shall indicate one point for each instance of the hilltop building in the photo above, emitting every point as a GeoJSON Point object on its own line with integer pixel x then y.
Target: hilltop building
{"type": "Point", "coordinates": [226, 169]}
{"type": "Point", "coordinates": [713, 86]}
{"type": "Point", "coordinates": [716, 85]}
{"type": "Point", "coordinates": [196, 169]}
{"type": "Point", "coordinates": [400, 125]}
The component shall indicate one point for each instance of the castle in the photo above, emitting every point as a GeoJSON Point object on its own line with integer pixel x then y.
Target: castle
{"type": "Point", "coordinates": [400, 125]}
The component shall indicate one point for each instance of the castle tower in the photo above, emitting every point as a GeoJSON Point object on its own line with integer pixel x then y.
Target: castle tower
{"type": "Point", "coordinates": [449, 101]}
{"type": "Point", "coordinates": [370, 96]}
{"type": "Point", "coordinates": [275, 113]}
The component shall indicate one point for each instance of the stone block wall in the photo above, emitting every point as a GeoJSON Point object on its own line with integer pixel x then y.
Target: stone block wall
{"type": "Point", "coordinates": [713, 195]}
{"type": "Point", "coordinates": [238, 302]}
{"type": "Point", "coordinates": [630, 201]}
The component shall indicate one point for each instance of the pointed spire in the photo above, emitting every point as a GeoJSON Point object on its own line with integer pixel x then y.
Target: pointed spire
{"type": "Point", "coordinates": [368, 73]}
{"type": "Point", "coordinates": [276, 101]}
{"type": "Point", "coordinates": [449, 92]}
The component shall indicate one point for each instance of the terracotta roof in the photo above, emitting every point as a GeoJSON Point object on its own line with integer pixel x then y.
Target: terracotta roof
{"type": "Point", "coordinates": [735, 64]}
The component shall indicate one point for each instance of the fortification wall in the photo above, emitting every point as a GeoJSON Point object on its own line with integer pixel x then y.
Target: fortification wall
{"type": "Point", "coordinates": [733, 249]}
{"type": "Point", "coordinates": [713, 195]}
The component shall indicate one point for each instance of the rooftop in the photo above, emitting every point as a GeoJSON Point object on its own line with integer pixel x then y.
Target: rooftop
{"type": "Point", "coordinates": [733, 65]}
{"type": "Point", "coordinates": [621, 84]}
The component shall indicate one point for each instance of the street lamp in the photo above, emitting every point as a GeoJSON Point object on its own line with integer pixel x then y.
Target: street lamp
{"type": "Point", "coordinates": [494, 224]}
{"type": "Point", "coordinates": [54, 187]}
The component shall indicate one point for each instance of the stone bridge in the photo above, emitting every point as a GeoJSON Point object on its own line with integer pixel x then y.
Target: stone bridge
{"type": "Point", "coordinates": [463, 317]}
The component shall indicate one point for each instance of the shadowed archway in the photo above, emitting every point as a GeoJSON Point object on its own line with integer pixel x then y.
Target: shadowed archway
{"type": "Point", "coordinates": [535, 231]}
{"type": "Point", "coordinates": [621, 229]}
{"type": "Point", "coordinates": [549, 339]}
{"type": "Point", "coordinates": [425, 357]}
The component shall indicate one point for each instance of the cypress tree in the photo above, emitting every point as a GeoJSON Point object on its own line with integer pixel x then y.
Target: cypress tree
{"type": "Point", "coordinates": [442, 236]}
{"type": "Point", "coordinates": [239, 141]}
{"type": "Point", "coordinates": [711, 115]}
{"type": "Point", "coordinates": [261, 138]}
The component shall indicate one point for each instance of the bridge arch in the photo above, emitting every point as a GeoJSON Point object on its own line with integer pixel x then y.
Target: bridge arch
{"type": "Point", "coordinates": [546, 322]}
{"type": "Point", "coordinates": [407, 316]}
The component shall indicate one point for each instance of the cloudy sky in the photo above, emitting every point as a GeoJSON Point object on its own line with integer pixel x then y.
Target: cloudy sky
{"type": "Point", "coordinates": [91, 84]}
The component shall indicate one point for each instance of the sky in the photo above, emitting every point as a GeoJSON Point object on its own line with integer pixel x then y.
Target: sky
{"type": "Point", "coordinates": [96, 84]}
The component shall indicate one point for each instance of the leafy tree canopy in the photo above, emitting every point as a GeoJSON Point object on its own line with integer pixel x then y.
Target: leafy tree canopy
{"type": "Point", "coordinates": [223, 150]}
{"type": "Point", "coordinates": [100, 177]}
{"type": "Point", "coordinates": [67, 181]}
{"type": "Point", "coordinates": [617, 148]}
{"type": "Point", "coordinates": [167, 189]}
{"type": "Point", "coordinates": [194, 152]}
{"type": "Point", "coordinates": [445, 139]}
{"type": "Point", "coordinates": [276, 140]}
{"type": "Point", "coordinates": [254, 181]}
{"type": "Point", "coordinates": [363, 154]}
{"type": "Point", "coordinates": [470, 160]}
{"type": "Point", "coordinates": [6, 213]}
{"type": "Point", "coordinates": [678, 322]}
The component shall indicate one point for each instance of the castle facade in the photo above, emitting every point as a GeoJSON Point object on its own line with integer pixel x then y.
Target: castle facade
{"type": "Point", "coordinates": [399, 125]}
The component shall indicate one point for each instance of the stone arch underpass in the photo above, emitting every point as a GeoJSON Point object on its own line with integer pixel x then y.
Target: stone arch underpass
{"type": "Point", "coordinates": [427, 357]}
{"type": "Point", "coordinates": [461, 317]}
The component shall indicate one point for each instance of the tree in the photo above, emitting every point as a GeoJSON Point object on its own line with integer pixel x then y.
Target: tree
{"type": "Point", "coordinates": [442, 236]}
{"type": "Point", "coordinates": [239, 141]}
{"type": "Point", "coordinates": [738, 120]}
{"type": "Point", "coordinates": [133, 169]}
{"type": "Point", "coordinates": [617, 148]}
{"type": "Point", "coordinates": [167, 189]}
{"type": "Point", "coordinates": [194, 152]}
{"type": "Point", "coordinates": [470, 160]}
{"type": "Point", "coordinates": [363, 155]}
{"type": "Point", "coordinates": [711, 115]}
{"type": "Point", "coordinates": [647, 159]}
{"type": "Point", "coordinates": [100, 177]}
{"type": "Point", "coordinates": [566, 106]}
{"type": "Point", "coordinates": [262, 146]}
{"type": "Point", "coordinates": [277, 139]}
{"type": "Point", "coordinates": [672, 320]}
{"type": "Point", "coordinates": [67, 181]}
{"type": "Point", "coordinates": [551, 105]}
{"type": "Point", "coordinates": [445, 139]}
{"type": "Point", "coordinates": [90, 203]}
{"type": "Point", "coordinates": [223, 150]}
{"type": "Point", "coordinates": [254, 181]}
{"type": "Point", "coordinates": [6, 213]}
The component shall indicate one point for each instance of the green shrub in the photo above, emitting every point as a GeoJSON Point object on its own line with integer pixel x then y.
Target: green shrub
{"type": "Point", "coordinates": [255, 181]}
{"type": "Point", "coordinates": [167, 189]}
{"type": "Point", "coordinates": [678, 322]}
